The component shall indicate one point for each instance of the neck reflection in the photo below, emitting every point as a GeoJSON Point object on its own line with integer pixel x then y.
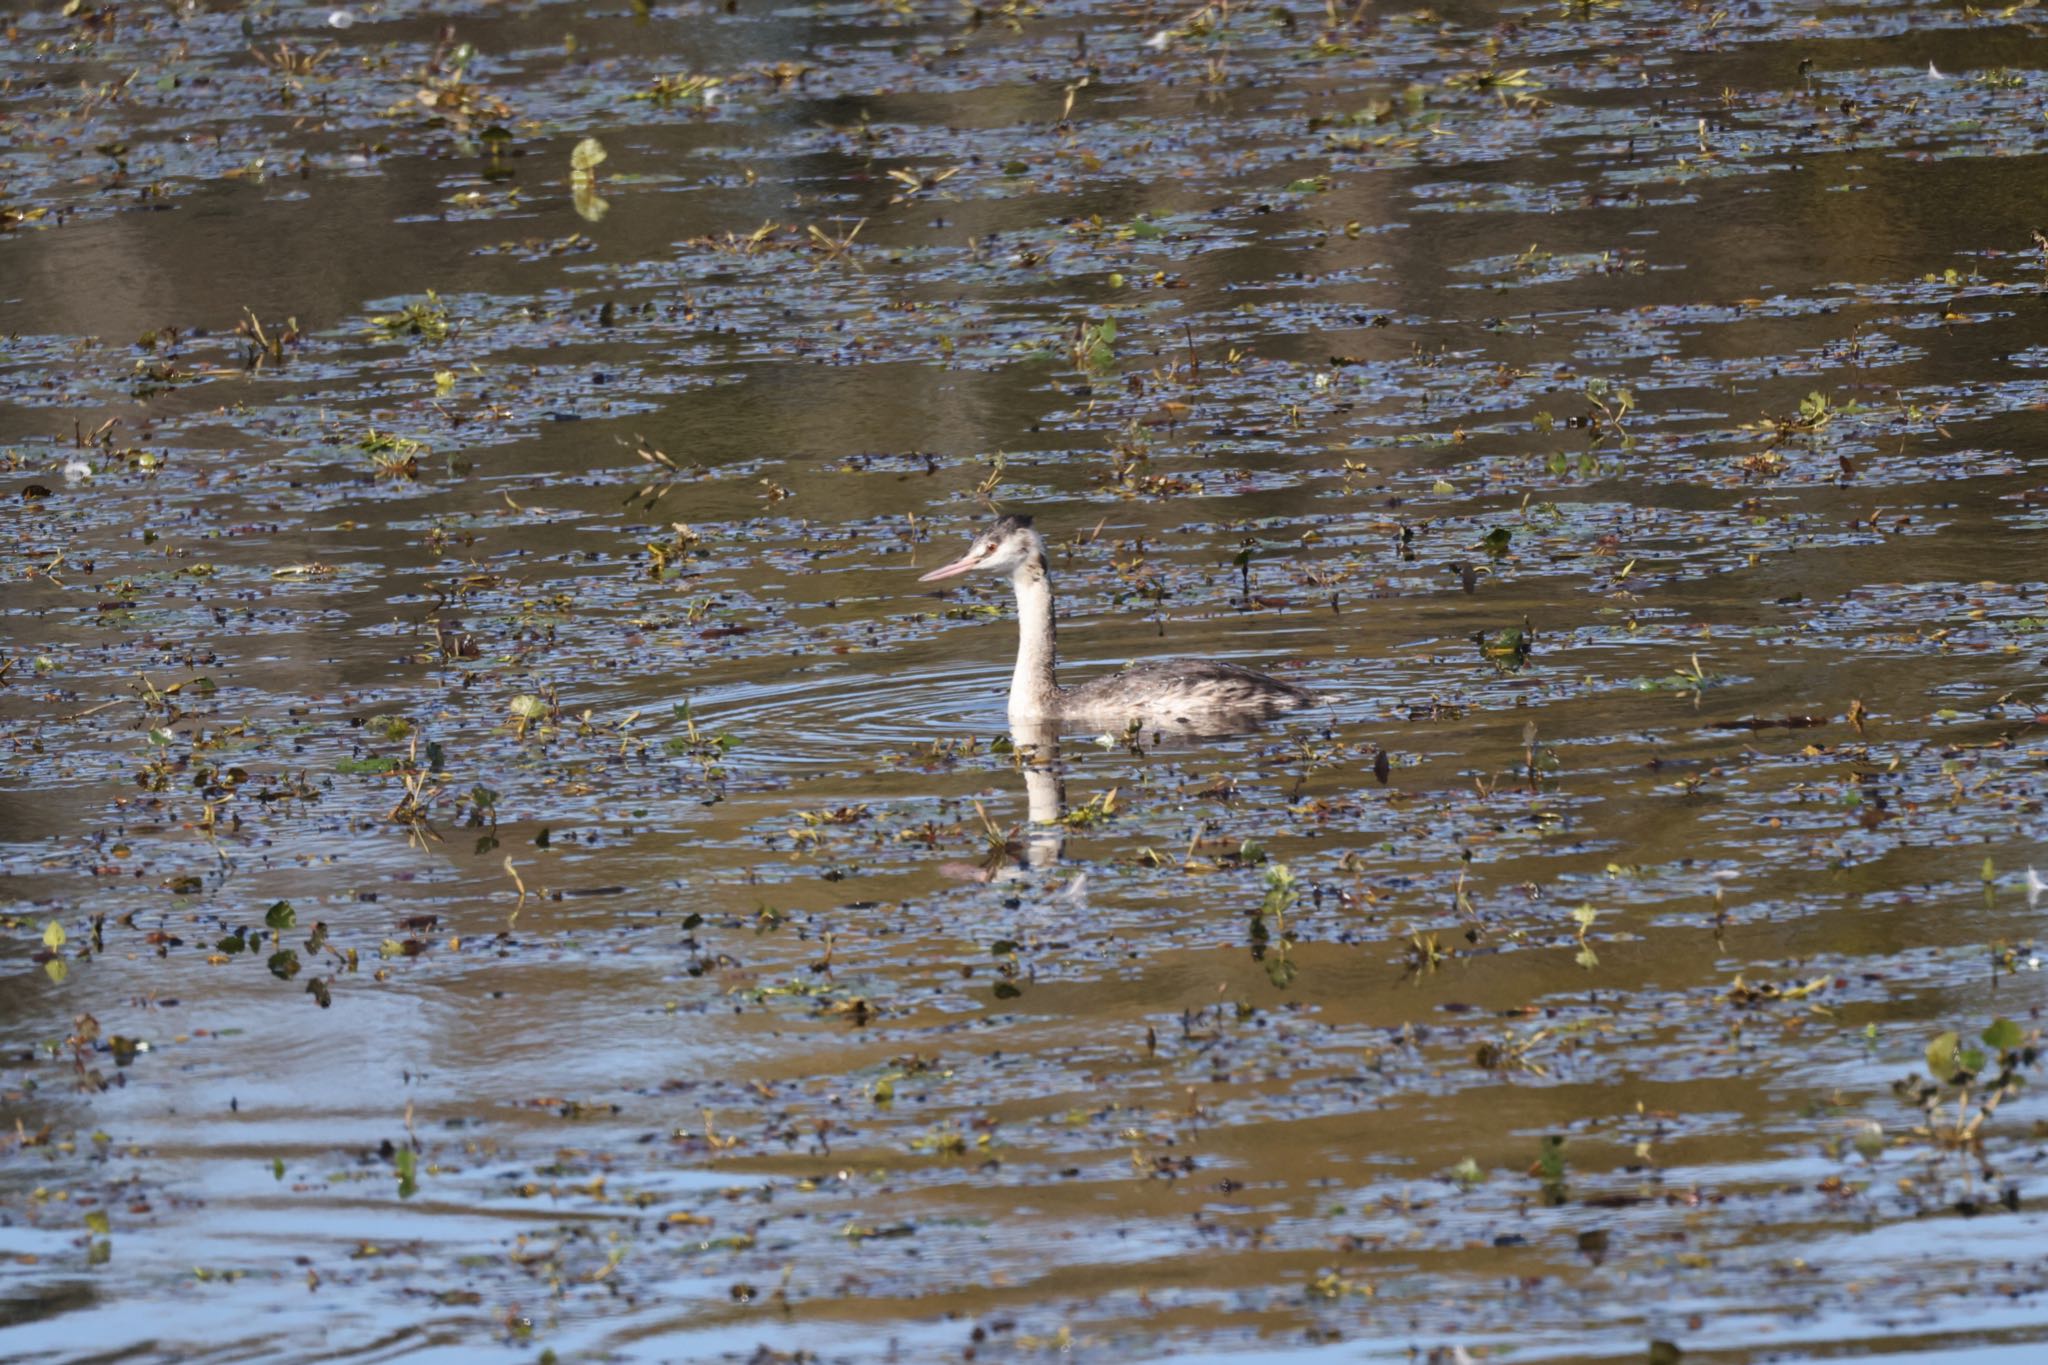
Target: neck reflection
{"type": "Point", "coordinates": [1045, 793]}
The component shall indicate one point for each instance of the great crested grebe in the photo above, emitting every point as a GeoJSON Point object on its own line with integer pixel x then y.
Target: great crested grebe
{"type": "Point", "coordinates": [1179, 694]}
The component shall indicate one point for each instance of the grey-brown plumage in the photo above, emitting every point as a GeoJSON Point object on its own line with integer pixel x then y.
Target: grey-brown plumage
{"type": "Point", "coordinates": [1178, 694]}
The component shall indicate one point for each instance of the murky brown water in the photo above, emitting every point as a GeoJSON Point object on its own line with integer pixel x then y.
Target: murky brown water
{"type": "Point", "coordinates": [501, 855]}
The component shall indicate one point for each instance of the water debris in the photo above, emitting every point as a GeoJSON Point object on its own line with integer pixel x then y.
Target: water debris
{"type": "Point", "coordinates": [418, 535]}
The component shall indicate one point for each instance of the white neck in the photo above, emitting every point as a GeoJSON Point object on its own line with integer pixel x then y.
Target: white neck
{"type": "Point", "coordinates": [1032, 689]}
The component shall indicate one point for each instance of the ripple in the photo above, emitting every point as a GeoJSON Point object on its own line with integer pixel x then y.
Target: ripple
{"type": "Point", "coordinates": [831, 714]}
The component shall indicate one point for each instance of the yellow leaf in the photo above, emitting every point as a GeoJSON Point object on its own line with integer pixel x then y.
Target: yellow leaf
{"type": "Point", "coordinates": [585, 159]}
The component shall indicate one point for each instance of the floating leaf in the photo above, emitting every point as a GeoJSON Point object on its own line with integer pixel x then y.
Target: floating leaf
{"type": "Point", "coordinates": [584, 160]}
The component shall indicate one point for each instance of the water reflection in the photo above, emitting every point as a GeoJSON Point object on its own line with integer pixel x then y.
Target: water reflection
{"type": "Point", "coordinates": [1371, 336]}
{"type": "Point", "coordinates": [1019, 857]}
{"type": "Point", "coordinates": [1037, 746]}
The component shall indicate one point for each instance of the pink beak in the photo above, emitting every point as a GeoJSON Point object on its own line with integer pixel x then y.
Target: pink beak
{"type": "Point", "coordinates": [959, 566]}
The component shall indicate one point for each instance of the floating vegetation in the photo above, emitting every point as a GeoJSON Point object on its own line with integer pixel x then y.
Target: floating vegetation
{"type": "Point", "coordinates": [469, 481]}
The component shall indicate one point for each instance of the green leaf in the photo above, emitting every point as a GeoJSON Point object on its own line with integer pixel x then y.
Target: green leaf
{"type": "Point", "coordinates": [366, 766]}
{"type": "Point", "coordinates": [1550, 1157]}
{"type": "Point", "coordinates": [284, 964]}
{"type": "Point", "coordinates": [407, 1164]}
{"type": "Point", "coordinates": [53, 935]}
{"type": "Point", "coordinates": [526, 706]}
{"type": "Point", "coordinates": [281, 916]}
{"type": "Point", "coordinates": [97, 1222]}
{"type": "Point", "coordinates": [1941, 1055]}
{"type": "Point", "coordinates": [2004, 1035]}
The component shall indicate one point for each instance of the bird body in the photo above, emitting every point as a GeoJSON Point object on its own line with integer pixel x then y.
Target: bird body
{"type": "Point", "coordinates": [1177, 694]}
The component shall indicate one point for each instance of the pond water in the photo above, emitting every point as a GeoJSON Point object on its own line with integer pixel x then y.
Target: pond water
{"type": "Point", "coordinates": [501, 858]}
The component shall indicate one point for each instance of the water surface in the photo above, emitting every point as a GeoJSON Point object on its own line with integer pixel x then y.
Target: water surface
{"type": "Point", "coordinates": [501, 856]}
